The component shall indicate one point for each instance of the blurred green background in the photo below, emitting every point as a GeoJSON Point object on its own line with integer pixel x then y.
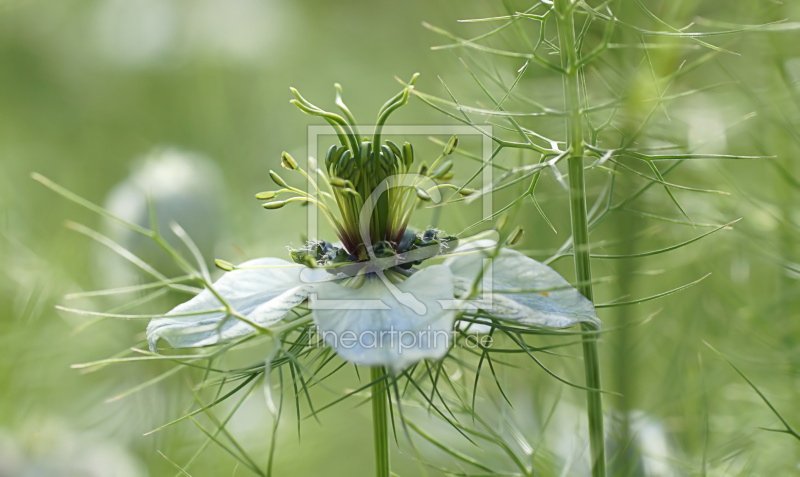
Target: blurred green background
{"type": "Point", "coordinates": [88, 88]}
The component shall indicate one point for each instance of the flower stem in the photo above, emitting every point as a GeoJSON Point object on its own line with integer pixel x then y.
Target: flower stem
{"type": "Point", "coordinates": [564, 10]}
{"type": "Point", "coordinates": [380, 422]}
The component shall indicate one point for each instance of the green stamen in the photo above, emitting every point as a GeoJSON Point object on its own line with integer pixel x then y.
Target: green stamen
{"type": "Point", "coordinates": [367, 173]}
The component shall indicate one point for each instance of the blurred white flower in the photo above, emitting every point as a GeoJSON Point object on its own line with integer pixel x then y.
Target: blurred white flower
{"type": "Point", "coordinates": [139, 33]}
{"type": "Point", "coordinates": [649, 451]}
{"type": "Point", "coordinates": [705, 127]}
{"type": "Point", "coordinates": [185, 188]}
{"type": "Point", "coordinates": [52, 448]}
{"type": "Point", "coordinates": [153, 33]}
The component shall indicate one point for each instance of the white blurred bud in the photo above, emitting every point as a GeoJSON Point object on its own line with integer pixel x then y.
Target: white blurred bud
{"type": "Point", "coordinates": [705, 127]}
{"type": "Point", "coordinates": [52, 448]}
{"type": "Point", "coordinates": [154, 33]}
{"type": "Point", "coordinates": [184, 188]}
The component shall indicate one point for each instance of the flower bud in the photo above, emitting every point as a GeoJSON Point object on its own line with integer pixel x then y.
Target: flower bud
{"type": "Point", "coordinates": [395, 150]}
{"type": "Point", "coordinates": [288, 162]}
{"type": "Point", "coordinates": [274, 205]}
{"type": "Point", "coordinates": [365, 158]}
{"type": "Point", "coordinates": [452, 144]}
{"type": "Point", "coordinates": [223, 265]}
{"type": "Point", "coordinates": [387, 156]}
{"type": "Point", "coordinates": [329, 155]}
{"type": "Point", "coordinates": [515, 236]}
{"type": "Point", "coordinates": [277, 179]}
{"type": "Point", "coordinates": [408, 154]}
{"type": "Point", "coordinates": [266, 195]}
{"type": "Point", "coordinates": [344, 165]}
{"type": "Point", "coordinates": [501, 222]}
{"type": "Point", "coordinates": [442, 170]}
{"type": "Point", "coordinates": [423, 195]}
{"type": "Point", "coordinates": [338, 182]}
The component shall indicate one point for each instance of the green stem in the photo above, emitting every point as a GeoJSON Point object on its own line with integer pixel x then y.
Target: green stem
{"type": "Point", "coordinates": [580, 227]}
{"type": "Point", "coordinates": [380, 423]}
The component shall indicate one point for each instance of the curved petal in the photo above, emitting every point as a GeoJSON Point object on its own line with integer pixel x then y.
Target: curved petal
{"type": "Point", "coordinates": [536, 294]}
{"type": "Point", "coordinates": [394, 325]}
{"type": "Point", "coordinates": [263, 290]}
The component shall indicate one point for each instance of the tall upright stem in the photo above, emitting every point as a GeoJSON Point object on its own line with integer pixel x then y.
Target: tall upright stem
{"type": "Point", "coordinates": [380, 421]}
{"type": "Point", "coordinates": [580, 231]}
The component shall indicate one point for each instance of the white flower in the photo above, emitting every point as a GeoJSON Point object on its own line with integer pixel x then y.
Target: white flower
{"type": "Point", "coordinates": [180, 187]}
{"type": "Point", "coordinates": [378, 323]}
{"type": "Point", "coordinates": [368, 302]}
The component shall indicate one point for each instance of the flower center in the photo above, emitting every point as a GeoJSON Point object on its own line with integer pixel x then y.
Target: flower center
{"type": "Point", "coordinates": [370, 196]}
{"type": "Point", "coordinates": [411, 250]}
{"type": "Point", "coordinates": [368, 178]}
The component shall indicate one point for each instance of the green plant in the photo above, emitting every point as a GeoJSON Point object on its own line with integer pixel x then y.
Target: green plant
{"type": "Point", "coordinates": [618, 80]}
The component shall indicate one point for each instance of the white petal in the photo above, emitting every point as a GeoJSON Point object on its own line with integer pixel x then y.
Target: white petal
{"type": "Point", "coordinates": [549, 300]}
{"type": "Point", "coordinates": [394, 326]}
{"type": "Point", "coordinates": [262, 290]}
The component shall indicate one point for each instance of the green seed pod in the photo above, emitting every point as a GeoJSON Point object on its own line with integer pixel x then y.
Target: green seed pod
{"type": "Point", "coordinates": [277, 179]}
{"type": "Point", "coordinates": [423, 195]}
{"type": "Point", "coordinates": [452, 144]}
{"type": "Point", "coordinates": [443, 169]}
{"type": "Point", "coordinates": [347, 166]}
{"type": "Point", "coordinates": [223, 265]}
{"type": "Point", "coordinates": [396, 150]}
{"type": "Point", "coordinates": [274, 205]}
{"type": "Point", "coordinates": [501, 222]}
{"type": "Point", "coordinates": [466, 191]}
{"type": "Point", "coordinates": [408, 154]}
{"type": "Point", "coordinates": [515, 236]}
{"type": "Point", "coordinates": [288, 162]}
{"type": "Point", "coordinates": [342, 163]}
{"type": "Point", "coordinates": [387, 156]}
{"type": "Point", "coordinates": [423, 169]}
{"type": "Point", "coordinates": [364, 154]}
{"type": "Point", "coordinates": [329, 156]}
{"type": "Point", "coordinates": [338, 182]}
{"type": "Point", "coordinates": [337, 155]}
{"type": "Point", "coordinates": [266, 195]}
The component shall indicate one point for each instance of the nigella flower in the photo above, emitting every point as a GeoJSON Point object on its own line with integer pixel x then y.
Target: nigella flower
{"type": "Point", "coordinates": [369, 295]}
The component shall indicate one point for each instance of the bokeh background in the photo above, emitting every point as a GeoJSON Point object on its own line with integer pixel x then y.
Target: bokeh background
{"type": "Point", "coordinates": [89, 90]}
